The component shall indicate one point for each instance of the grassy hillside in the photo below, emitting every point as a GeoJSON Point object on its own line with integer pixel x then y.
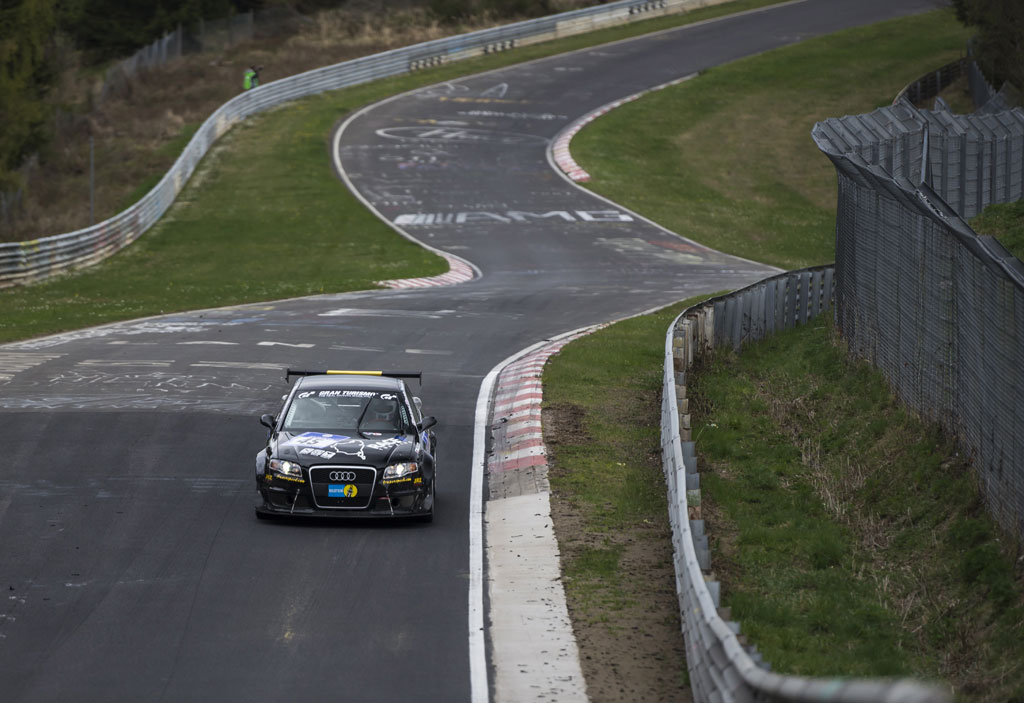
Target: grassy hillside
{"type": "Point", "coordinates": [265, 218]}
{"type": "Point", "coordinates": [727, 159]}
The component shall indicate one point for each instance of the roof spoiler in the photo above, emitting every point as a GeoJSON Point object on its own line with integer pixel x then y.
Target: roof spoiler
{"type": "Point", "coordinates": [288, 373]}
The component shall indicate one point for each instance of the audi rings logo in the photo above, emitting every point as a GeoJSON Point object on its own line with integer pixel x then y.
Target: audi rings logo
{"type": "Point", "coordinates": [343, 476]}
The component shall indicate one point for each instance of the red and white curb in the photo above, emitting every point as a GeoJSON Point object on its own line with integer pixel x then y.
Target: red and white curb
{"type": "Point", "coordinates": [560, 147]}
{"type": "Point", "coordinates": [517, 408]}
{"type": "Point", "coordinates": [458, 272]}
{"type": "Point", "coordinates": [535, 655]}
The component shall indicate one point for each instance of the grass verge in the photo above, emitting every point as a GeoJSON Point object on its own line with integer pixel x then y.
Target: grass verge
{"type": "Point", "coordinates": [850, 537]}
{"type": "Point", "coordinates": [727, 159]}
{"type": "Point", "coordinates": [1005, 223]}
{"type": "Point", "coordinates": [601, 427]}
{"type": "Point", "coordinates": [265, 218]}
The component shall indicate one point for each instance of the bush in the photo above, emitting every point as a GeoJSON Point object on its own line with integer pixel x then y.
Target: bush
{"type": "Point", "coordinates": [1000, 40]}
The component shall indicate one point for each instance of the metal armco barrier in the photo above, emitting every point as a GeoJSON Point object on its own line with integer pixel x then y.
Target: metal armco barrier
{"type": "Point", "coordinates": [936, 308]}
{"type": "Point", "coordinates": [23, 262]}
{"type": "Point", "coordinates": [721, 668]}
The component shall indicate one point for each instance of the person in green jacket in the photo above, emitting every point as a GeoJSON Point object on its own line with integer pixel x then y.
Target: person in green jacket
{"type": "Point", "coordinates": [251, 77]}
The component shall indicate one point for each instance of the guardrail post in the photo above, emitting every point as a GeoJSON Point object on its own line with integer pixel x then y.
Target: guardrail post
{"type": "Point", "coordinates": [805, 284]}
{"type": "Point", "coordinates": [780, 303]}
{"type": "Point", "coordinates": [747, 307]}
{"type": "Point", "coordinates": [815, 293]}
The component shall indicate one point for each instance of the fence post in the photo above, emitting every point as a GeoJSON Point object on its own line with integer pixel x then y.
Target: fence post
{"type": "Point", "coordinates": [92, 183]}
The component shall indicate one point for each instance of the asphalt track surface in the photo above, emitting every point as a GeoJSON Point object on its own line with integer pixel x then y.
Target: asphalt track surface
{"type": "Point", "coordinates": [131, 565]}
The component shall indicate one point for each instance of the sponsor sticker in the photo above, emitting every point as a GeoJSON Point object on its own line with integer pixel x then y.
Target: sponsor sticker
{"type": "Point", "coordinates": [342, 491]}
{"type": "Point", "coordinates": [318, 440]}
{"type": "Point", "coordinates": [320, 453]}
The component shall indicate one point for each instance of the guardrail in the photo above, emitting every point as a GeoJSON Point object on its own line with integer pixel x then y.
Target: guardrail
{"type": "Point", "coordinates": [721, 667]}
{"type": "Point", "coordinates": [24, 262]}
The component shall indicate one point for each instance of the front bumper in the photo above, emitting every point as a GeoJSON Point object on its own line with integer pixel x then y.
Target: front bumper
{"type": "Point", "coordinates": [291, 499]}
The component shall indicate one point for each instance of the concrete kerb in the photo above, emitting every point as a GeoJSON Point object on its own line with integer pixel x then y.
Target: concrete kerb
{"type": "Point", "coordinates": [534, 651]}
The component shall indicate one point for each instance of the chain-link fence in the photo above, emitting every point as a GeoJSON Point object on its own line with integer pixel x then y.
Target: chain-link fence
{"type": "Point", "coordinates": [722, 667]}
{"type": "Point", "coordinates": [938, 309]}
{"type": "Point", "coordinates": [973, 160]}
{"type": "Point", "coordinates": [205, 35]}
{"type": "Point", "coordinates": [932, 83]}
{"type": "Point", "coordinates": [10, 204]}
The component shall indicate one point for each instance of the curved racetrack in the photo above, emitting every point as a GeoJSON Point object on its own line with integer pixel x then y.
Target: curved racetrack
{"type": "Point", "coordinates": [131, 564]}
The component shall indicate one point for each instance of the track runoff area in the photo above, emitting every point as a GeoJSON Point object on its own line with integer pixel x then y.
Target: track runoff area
{"type": "Point", "coordinates": [133, 564]}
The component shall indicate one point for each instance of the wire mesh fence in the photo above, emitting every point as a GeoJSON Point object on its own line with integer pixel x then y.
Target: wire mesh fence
{"type": "Point", "coordinates": [932, 83]}
{"type": "Point", "coordinates": [205, 35]}
{"type": "Point", "coordinates": [938, 309]}
{"type": "Point", "coordinates": [10, 204]}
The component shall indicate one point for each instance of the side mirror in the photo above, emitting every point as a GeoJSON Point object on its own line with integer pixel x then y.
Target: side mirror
{"type": "Point", "coordinates": [427, 423]}
{"type": "Point", "coordinates": [268, 421]}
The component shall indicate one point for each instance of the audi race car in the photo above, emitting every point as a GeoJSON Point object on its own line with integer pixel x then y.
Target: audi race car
{"type": "Point", "coordinates": [348, 444]}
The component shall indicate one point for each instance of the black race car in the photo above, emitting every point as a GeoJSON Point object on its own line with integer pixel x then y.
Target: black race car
{"type": "Point", "coordinates": [348, 444]}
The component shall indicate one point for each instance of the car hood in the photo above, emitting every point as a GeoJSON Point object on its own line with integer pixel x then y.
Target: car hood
{"type": "Point", "coordinates": [320, 448]}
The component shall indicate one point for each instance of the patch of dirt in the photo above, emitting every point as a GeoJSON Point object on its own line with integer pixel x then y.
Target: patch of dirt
{"type": "Point", "coordinates": [635, 650]}
{"type": "Point", "coordinates": [563, 424]}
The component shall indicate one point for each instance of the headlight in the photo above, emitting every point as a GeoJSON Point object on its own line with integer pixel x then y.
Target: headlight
{"type": "Point", "coordinates": [288, 468]}
{"type": "Point", "coordinates": [400, 470]}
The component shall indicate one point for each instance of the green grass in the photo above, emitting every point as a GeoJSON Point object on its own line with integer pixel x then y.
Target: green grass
{"type": "Point", "coordinates": [1005, 223]}
{"type": "Point", "coordinates": [171, 149]}
{"type": "Point", "coordinates": [613, 378]}
{"type": "Point", "coordinates": [602, 431]}
{"type": "Point", "coordinates": [267, 218]}
{"type": "Point", "coordinates": [850, 537]}
{"type": "Point", "coordinates": [727, 158]}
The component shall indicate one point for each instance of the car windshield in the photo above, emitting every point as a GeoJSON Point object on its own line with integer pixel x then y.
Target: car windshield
{"type": "Point", "coordinates": [346, 411]}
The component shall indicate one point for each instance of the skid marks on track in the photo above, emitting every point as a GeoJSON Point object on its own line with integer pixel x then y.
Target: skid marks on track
{"type": "Point", "coordinates": [13, 362]}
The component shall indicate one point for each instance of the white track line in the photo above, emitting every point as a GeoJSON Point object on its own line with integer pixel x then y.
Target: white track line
{"type": "Point", "coordinates": [455, 276]}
